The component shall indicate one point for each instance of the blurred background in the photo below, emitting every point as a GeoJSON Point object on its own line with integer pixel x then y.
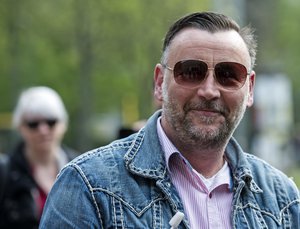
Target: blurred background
{"type": "Point", "coordinates": [100, 55]}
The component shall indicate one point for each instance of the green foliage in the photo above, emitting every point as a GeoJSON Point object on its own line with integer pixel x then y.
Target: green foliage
{"type": "Point", "coordinates": [99, 55]}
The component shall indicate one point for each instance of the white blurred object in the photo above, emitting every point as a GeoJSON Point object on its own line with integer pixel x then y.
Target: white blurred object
{"type": "Point", "coordinates": [273, 105]}
{"type": "Point", "coordinates": [176, 220]}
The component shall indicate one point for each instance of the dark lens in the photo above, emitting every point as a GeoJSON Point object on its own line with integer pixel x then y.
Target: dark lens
{"type": "Point", "coordinates": [35, 124]}
{"type": "Point", "coordinates": [190, 73]}
{"type": "Point", "coordinates": [51, 122]}
{"type": "Point", "coordinates": [32, 124]}
{"type": "Point", "coordinates": [230, 75]}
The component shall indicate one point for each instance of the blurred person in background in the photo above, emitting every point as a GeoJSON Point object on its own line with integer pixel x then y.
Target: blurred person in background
{"type": "Point", "coordinates": [3, 174]}
{"type": "Point", "coordinates": [135, 127]}
{"type": "Point", "coordinates": [185, 159]}
{"type": "Point", "coordinates": [41, 119]}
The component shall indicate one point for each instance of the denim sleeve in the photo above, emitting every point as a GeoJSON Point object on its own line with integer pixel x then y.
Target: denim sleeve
{"type": "Point", "coordinates": [70, 203]}
{"type": "Point", "coordinates": [295, 209]}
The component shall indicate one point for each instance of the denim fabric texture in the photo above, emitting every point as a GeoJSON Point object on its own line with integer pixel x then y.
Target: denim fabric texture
{"type": "Point", "coordinates": [126, 185]}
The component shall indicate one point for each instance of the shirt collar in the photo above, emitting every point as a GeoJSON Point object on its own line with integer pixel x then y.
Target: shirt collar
{"type": "Point", "coordinates": [171, 152]}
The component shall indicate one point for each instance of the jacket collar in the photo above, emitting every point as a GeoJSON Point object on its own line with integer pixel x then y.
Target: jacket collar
{"type": "Point", "coordinates": [240, 166]}
{"type": "Point", "coordinates": [146, 157]}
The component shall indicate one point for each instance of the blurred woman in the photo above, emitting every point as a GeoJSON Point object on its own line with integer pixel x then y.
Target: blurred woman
{"type": "Point", "coordinates": [41, 119]}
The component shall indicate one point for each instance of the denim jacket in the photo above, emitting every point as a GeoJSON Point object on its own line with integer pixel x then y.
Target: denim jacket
{"type": "Point", "coordinates": [126, 185]}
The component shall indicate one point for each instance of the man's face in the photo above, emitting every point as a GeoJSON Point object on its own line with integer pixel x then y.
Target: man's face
{"type": "Point", "coordinates": [207, 114]}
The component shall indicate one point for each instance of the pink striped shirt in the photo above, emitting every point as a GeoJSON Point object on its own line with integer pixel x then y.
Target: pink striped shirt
{"type": "Point", "coordinates": [207, 202]}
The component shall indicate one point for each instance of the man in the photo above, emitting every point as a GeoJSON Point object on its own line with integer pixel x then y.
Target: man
{"type": "Point", "coordinates": [185, 158]}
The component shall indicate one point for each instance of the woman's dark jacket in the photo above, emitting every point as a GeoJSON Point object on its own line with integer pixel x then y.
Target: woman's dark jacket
{"type": "Point", "coordinates": [18, 209]}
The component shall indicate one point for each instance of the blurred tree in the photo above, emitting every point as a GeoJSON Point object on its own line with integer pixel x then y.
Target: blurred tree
{"type": "Point", "coordinates": [278, 29]}
{"type": "Point", "coordinates": [98, 54]}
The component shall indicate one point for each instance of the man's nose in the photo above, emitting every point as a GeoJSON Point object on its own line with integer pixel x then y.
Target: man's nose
{"type": "Point", "coordinates": [209, 88]}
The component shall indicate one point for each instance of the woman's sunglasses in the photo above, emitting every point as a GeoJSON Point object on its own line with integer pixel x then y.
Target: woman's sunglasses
{"type": "Point", "coordinates": [191, 73]}
{"type": "Point", "coordinates": [34, 124]}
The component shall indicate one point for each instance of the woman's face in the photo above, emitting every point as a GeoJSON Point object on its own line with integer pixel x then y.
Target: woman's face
{"type": "Point", "coordinates": [42, 134]}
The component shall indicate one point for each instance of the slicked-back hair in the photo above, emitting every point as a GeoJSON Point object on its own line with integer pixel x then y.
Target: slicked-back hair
{"type": "Point", "coordinates": [211, 22]}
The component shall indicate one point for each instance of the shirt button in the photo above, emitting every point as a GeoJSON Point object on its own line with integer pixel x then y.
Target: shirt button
{"type": "Point", "coordinates": [210, 195]}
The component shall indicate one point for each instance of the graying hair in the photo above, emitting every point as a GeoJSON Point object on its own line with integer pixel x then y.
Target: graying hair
{"type": "Point", "coordinates": [39, 101]}
{"type": "Point", "coordinates": [211, 22]}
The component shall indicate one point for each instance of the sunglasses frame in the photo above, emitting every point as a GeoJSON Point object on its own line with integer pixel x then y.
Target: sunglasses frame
{"type": "Point", "coordinates": [206, 74]}
{"type": "Point", "coordinates": [34, 124]}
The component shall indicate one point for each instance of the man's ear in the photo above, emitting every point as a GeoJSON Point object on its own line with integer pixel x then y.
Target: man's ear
{"type": "Point", "coordinates": [158, 81]}
{"type": "Point", "coordinates": [251, 89]}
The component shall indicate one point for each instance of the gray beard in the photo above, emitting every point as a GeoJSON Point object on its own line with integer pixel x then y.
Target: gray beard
{"type": "Point", "coordinates": [192, 135]}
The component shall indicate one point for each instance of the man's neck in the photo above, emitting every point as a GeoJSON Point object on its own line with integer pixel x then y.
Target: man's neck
{"type": "Point", "coordinates": [206, 163]}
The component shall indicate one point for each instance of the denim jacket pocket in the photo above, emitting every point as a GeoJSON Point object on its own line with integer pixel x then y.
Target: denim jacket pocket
{"type": "Point", "coordinates": [251, 216]}
{"type": "Point", "coordinates": [122, 213]}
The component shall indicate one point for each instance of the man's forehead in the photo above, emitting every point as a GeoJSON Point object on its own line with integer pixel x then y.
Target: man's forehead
{"type": "Point", "coordinates": [193, 41]}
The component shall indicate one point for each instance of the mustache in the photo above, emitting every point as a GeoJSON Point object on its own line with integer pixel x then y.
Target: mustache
{"type": "Point", "coordinates": [206, 105]}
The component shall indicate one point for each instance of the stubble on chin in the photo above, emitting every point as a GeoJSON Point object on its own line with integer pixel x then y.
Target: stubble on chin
{"type": "Point", "coordinates": [207, 132]}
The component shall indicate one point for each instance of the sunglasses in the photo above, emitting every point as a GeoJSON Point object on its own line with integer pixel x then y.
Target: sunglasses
{"type": "Point", "coordinates": [36, 123]}
{"type": "Point", "coordinates": [191, 73]}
